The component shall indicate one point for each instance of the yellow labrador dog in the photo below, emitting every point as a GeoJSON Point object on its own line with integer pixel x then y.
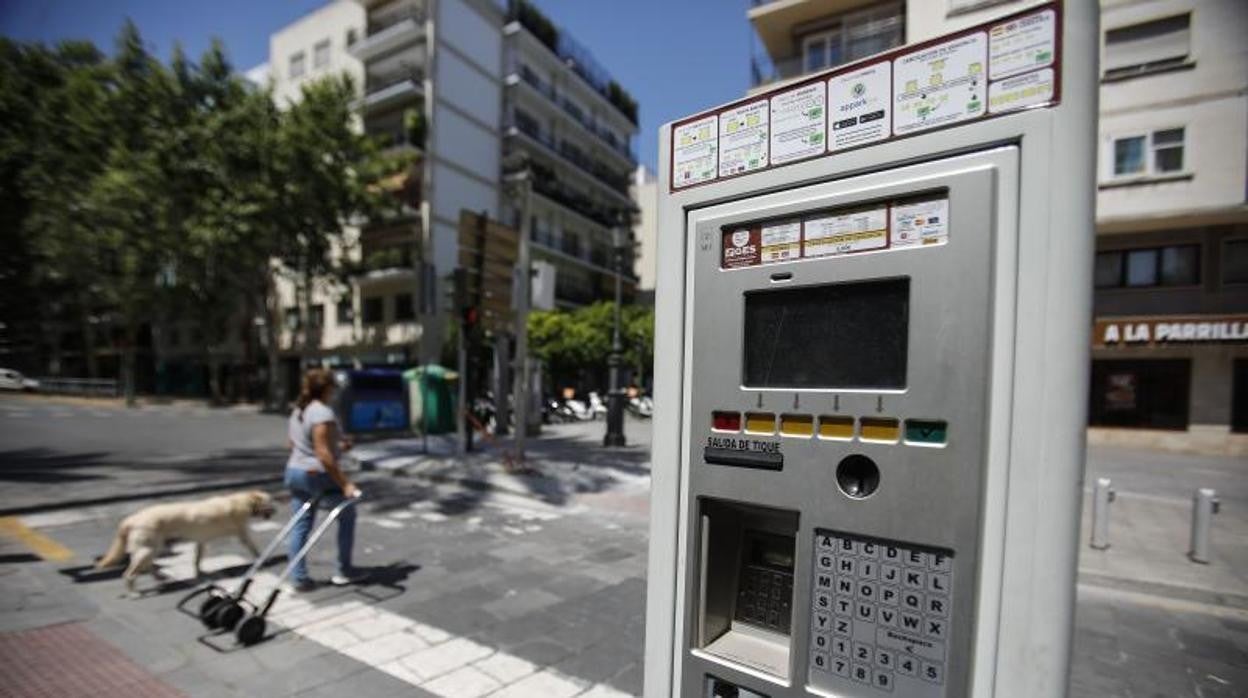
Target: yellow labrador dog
{"type": "Point", "coordinates": [144, 533]}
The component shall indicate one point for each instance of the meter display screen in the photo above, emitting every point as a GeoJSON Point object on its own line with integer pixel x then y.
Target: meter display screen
{"type": "Point", "coordinates": [847, 335]}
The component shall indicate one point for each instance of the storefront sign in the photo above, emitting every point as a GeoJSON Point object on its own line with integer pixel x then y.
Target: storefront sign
{"type": "Point", "coordinates": [1152, 331]}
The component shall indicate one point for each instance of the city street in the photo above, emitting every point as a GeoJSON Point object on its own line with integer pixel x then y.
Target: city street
{"type": "Point", "coordinates": [484, 583]}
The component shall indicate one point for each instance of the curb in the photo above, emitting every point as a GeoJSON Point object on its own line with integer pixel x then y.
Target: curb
{"type": "Point", "coordinates": [1167, 591]}
{"type": "Point", "coordinates": [114, 499]}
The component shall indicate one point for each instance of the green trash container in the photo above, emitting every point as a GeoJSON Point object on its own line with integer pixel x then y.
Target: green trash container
{"type": "Point", "coordinates": [431, 396]}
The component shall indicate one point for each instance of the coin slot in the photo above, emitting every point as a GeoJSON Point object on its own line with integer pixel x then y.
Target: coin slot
{"type": "Point", "coordinates": [781, 276]}
{"type": "Point", "coordinates": [857, 476]}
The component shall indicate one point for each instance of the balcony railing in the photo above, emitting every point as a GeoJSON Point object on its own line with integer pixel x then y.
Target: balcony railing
{"type": "Point", "coordinates": [602, 133]}
{"type": "Point", "coordinates": [382, 22]}
{"type": "Point", "coordinates": [381, 81]}
{"type": "Point", "coordinates": [614, 182]}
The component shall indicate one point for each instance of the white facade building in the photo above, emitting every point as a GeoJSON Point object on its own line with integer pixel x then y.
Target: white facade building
{"type": "Point", "coordinates": [646, 230]}
{"type": "Point", "coordinates": [1172, 198]}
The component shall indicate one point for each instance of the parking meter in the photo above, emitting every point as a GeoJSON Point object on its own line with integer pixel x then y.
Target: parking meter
{"type": "Point", "coordinates": [873, 317]}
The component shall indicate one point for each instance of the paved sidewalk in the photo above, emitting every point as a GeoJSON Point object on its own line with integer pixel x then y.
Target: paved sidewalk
{"type": "Point", "coordinates": [69, 660]}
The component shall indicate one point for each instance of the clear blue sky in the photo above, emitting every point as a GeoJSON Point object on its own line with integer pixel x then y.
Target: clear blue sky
{"type": "Point", "coordinates": [675, 56]}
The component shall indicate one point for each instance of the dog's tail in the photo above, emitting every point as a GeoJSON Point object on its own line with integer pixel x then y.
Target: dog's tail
{"type": "Point", "coordinates": [117, 551]}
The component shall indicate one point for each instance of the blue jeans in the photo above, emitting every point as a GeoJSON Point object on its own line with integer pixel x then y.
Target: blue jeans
{"type": "Point", "coordinates": [304, 486]}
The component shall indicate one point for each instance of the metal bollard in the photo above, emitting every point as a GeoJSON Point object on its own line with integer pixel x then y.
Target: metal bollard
{"type": "Point", "coordinates": [1205, 504]}
{"type": "Point", "coordinates": [1102, 495]}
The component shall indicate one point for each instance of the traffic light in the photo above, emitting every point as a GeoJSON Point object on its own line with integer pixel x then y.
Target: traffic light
{"type": "Point", "coordinates": [470, 315]}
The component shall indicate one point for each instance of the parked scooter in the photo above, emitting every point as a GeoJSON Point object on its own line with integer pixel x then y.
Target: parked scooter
{"type": "Point", "coordinates": [641, 407]}
{"type": "Point", "coordinates": [597, 408]}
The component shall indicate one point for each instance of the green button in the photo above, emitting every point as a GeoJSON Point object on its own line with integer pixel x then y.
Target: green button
{"type": "Point", "coordinates": [926, 431]}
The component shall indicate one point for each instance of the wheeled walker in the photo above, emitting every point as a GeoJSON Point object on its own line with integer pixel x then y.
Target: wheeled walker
{"type": "Point", "coordinates": [224, 611]}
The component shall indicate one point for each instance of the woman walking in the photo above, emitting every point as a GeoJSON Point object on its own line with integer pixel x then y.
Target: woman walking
{"type": "Point", "coordinates": [316, 442]}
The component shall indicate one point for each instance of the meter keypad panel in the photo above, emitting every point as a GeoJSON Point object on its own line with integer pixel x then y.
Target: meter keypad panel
{"type": "Point", "coordinates": [880, 614]}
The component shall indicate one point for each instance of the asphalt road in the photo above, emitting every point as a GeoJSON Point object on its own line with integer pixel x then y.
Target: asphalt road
{"type": "Point", "coordinates": [53, 451]}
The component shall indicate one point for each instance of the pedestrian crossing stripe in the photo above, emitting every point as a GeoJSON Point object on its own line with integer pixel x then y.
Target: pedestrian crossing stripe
{"type": "Point", "coordinates": [39, 544]}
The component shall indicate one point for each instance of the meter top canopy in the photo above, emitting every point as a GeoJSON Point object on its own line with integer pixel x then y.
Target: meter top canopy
{"type": "Point", "coordinates": [996, 68]}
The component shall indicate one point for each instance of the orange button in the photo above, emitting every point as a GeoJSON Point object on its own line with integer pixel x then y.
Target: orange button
{"type": "Point", "coordinates": [802, 425]}
{"type": "Point", "coordinates": [760, 422]}
{"type": "Point", "coordinates": [884, 429]}
{"type": "Point", "coordinates": [839, 428]}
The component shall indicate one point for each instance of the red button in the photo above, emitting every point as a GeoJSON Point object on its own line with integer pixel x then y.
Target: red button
{"type": "Point", "coordinates": [726, 421]}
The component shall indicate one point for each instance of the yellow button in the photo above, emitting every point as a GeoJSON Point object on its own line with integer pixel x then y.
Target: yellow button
{"type": "Point", "coordinates": [879, 429]}
{"type": "Point", "coordinates": [797, 424]}
{"type": "Point", "coordinates": [760, 422]}
{"type": "Point", "coordinates": [840, 428]}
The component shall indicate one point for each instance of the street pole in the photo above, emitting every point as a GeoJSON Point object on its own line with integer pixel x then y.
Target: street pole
{"type": "Point", "coordinates": [615, 395]}
{"type": "Point", "coordinates": [524, 292]}
{"type": "Point", "coordinates": [461, 420]}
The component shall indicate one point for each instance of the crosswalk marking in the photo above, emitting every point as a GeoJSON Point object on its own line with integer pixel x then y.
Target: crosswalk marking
{"type": "Point", "coordinates": [433, 659]}
{"type": "Point", "coordinates": [38, 543]}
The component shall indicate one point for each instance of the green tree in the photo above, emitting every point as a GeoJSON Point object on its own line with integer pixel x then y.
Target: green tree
{"type": "Point", "coordinates": [575, 342]}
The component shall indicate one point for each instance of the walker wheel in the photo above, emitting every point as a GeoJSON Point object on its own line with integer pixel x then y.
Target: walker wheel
{"type": "Point", "coordinates": [208, 608]}
{"type": "Point", "coordinates": [227, 615]}
{"type": "Point", "coordinates": [250, 631]}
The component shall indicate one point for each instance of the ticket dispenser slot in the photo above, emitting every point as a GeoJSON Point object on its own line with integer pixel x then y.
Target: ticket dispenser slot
{"type": "Point", "coordinates": [747, 584]}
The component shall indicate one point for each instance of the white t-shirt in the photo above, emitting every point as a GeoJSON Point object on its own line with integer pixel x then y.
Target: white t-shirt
{"type": "Point", "coordinates": [302, 451]}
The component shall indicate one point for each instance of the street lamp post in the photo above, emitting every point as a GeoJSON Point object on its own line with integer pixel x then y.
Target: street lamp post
{"type": "Point", "coordinates": [615, 395]}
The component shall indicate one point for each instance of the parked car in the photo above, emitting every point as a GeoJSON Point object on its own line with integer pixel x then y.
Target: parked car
{"type": "Point", "coordinates": [15, 381]}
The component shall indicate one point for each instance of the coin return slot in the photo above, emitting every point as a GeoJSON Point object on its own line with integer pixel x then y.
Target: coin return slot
{"type": "Point", "coordinates": [781, 276]}
{"type": "Point", "coordinates": [857, 476]}
{"type": "Point", "coordinates": [799, 425]}
{"type": "Point", "coordinates": [760, 423]}
{"type": "Point", "coordinates": [746, 585]}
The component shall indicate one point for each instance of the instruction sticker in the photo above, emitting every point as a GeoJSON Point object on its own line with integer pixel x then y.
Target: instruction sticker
{"type": "Point", "coordinates": [695, 146]}
{"type": "Point", "coordinates": [859, 106]}
{"type": "Point", "coordinates": [781, 241]}
{"type": "Point", "coordinates": [743, 138]}
{"type": "Point", "coordinates": [1023, 44]}
{"type": "Point", "coordinates": [1021, 91]}
{"type": "Point", "coordinates": [846, 232]}
{"type": "Point", "coordinates": [940, 85]}
{"type": "Point", "coordinates": [740, 247]}
{"type": "Point", "coordinates": [798, 123]}
{"type": "Point", "coordinates": [923, 222]}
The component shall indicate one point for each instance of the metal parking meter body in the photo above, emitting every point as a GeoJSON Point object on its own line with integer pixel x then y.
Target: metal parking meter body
{"type": "Point", "coordinates": [873, 317]}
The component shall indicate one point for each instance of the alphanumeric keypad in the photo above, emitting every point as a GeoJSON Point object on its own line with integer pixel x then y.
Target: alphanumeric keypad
{"type": "Point", "coordinates": [764, 598]}
{"type": "Point", "coordinates": [880, 615]}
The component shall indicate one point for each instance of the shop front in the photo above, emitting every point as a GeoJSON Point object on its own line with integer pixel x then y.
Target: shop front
{"type": "Point", "coordinates": [1172, 382]}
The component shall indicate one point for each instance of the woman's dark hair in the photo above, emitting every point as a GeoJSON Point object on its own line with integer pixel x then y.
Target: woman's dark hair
{"type": "Point", "coordinates": [317, 382]}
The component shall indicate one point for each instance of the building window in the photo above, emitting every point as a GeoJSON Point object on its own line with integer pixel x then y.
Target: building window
{"type": "Point", "coordinates": [320, 54]}
{"type": "Point", "coordinates": [297, 65]}
{"type": "Point", "coordinates": [292, 318]}
{"type": "Point", "coordinates": [374, 311]}
{"type": "Point", "coordinates": [346, 311]}
{"type": "Point", "coordinates": [1147, 47]}
{"type": "Point", "coordinates": [1235, 261]}
{"type": "Point", "coordinates": [351, 37]}
{"type": "Point", "coordinates": [1177, 265]}
{"type": "Point", "coordinates": [316, 315]}
{"type": "Point", "coordinates": [404, 308]}
{"type": "Point", "coordinates": [1148, 394]}
{"type": "Point", "coordinates": [853, 36]}
{"type": "Point", "coordinates": [1156, 153]}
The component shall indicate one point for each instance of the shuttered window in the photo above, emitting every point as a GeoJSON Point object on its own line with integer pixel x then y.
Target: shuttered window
{"type": "Point", "coordinates": [1142, 48]}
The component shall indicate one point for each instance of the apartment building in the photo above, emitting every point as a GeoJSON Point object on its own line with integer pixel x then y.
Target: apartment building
{"type": "Point", "coordinates": [646, 232]}
{"type": "Point", "coordinates": [576, 126]}
{"type": "Point", "coordinates": [460, 85]}
{"type": "Point", "coordinates": [1170, 354]}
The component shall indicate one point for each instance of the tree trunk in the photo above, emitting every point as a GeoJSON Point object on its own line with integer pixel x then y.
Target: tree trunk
{"type": "Point", "coordinates": [129, 363]}
{"type": "Point", "coordinates": [88, 345]}
{"type": "Point", "coordinates": [306, 348]}
{"type": "Point", "coordinates": [273, 307]}
{"type": "Point", "coordinates": [215, 393]}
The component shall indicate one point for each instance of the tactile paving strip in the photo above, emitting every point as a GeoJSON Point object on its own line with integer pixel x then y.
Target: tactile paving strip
{"type": "Point", "coordinates": [68, 660]}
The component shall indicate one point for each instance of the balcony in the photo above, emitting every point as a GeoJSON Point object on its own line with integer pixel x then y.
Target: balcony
{"type": "Point", "coordinates": [390, 32]}
{"type": "Point", "coordinates": [622, 149]}
{"type": "Point", "coordinates": [614, 185]}
{"type": "Point", "coordinates": [775, 20]}
{"type": "Point", "coordinates": [391, 88]}
{"type": "Point", "coordinates": [571, 54]}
